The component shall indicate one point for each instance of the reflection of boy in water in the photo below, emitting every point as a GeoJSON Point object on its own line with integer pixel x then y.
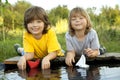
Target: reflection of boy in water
{"type": "Point", "coordinates": [75, 73]}
{"type": "Point", "coordinates": [93, 73]}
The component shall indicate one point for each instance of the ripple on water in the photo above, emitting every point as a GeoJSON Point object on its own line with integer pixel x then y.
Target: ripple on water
{"type": "Point", "coordinates": [13, 76]}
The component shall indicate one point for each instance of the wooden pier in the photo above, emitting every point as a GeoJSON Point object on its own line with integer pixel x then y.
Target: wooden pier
{"type": "Point", "coordinates": [106, 56]}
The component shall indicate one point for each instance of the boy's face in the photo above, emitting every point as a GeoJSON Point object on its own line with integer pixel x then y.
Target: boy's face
{"type": "Point", "coordinates": [36, 27]}
{"type": "Point", "coordinates": [78, 22]}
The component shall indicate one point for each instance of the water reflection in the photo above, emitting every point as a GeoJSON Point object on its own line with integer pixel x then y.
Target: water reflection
{"type": "Point", "coordinates": [47, 74]}
{"type": "Point", "coordinates": [110, 73]}
{"type": "Point", "coordinates": [33, 72]}
{"type": "Point", "coordinates": [2, 68]}
{"type": "Point", "coordinates": [93, 73]}
{"type": "Point", "coordinates": [75, 73]}
{"type": "Point", "coordinates": [22, 73]}
{"type": "Point", "coordinates": [66, 73]}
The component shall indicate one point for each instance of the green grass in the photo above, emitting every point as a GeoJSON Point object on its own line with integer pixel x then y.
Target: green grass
{"type": "Point", "coordinates": [7, 48]}
{"type": "Point", "coordinates": [61, 39]}
{"type": "Point", "coordinates": [112, 46]}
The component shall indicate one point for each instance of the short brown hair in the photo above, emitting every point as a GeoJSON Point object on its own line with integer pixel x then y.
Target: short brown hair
{"type": "Point", "coordinates": [36, 13]}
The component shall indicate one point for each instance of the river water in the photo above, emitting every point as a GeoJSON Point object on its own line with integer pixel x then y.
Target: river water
{"type": "Point", "coordinates": [94, 72]}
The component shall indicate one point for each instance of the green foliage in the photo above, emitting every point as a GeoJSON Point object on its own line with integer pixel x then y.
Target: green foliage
{"type": "Point", "coordinates": [58, 13]}
{"type": "Point", "coordinates": [13, 17]}
{"type": "Point", "coordinates": [109, 15]}
{"type": "Point", "coordinates": [61, 26]}
{"type": "Point", "coordinates": [112, 46]}
{"type": "Point", "coordinates": [7, 49]}
{"type": "Point", "coordinates": [61, 39]}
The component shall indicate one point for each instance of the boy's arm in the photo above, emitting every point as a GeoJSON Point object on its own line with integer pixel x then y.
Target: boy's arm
{"type": "Point", "coordinates": [46, 60]}
{"type": "Point", "coordinates": [92, 53]}
{"type": "Point", "coordinates": [29, 56]}
{"type": "Point", "coordinates": [22, 61]}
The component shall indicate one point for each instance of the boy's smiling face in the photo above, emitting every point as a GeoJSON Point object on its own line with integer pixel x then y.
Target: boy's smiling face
{"type": "Point", "coordinates": [78, 22]}
{"type": "Point", "coordinates": [36, 27]}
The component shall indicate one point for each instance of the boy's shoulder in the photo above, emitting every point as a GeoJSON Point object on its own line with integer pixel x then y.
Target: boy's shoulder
{"type": "Point", "coordinates": [67, 35]}
{"type": "Point", "coordinates": [26, 33]}
{"type": "Point", "coordinates": [92, 31]}
{"type": "Point", "coordinates": [51, 30]}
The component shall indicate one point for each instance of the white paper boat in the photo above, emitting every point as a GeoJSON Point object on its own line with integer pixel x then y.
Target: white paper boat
{"type": "Point", "coordinates": [82, 62]}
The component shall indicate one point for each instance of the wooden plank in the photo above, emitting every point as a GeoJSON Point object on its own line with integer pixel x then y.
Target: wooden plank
{"type": "Point", "coordinates": [106, 56]}
{"type": "Point", "coordinates": [12, 60]}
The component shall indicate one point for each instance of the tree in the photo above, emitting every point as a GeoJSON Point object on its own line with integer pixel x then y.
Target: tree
{"type": "Point", "coordinates": [12, 15]}
{"type": "Point", "coordinates": [19, 10]}
{"type": "Point", "coordinates": [60, 12]}
{"type": "Point", "coordinates": [2, 8]}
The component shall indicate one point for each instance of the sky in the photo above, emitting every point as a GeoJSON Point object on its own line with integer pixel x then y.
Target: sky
{"type": "Point", "coordinates": [50, 4]}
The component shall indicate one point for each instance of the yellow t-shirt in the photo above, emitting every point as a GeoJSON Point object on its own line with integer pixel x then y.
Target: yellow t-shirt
{"type": "Point", "coordinates": [48, 43]}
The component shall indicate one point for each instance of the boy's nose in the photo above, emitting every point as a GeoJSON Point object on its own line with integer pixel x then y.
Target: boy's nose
{"type": "Point", "coordinates": [34, 24]}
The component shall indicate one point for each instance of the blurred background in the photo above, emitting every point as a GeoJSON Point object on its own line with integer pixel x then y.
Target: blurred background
{"type": "Point", "coordinates": [105, 16]}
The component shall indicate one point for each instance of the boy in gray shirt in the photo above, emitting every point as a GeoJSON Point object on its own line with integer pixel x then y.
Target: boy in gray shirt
{"type": "Point", "coordinates": [81, 37]}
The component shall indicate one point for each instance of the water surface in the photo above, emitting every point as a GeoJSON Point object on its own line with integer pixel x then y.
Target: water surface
{"type": "Point", "coordinates": [94, 72]}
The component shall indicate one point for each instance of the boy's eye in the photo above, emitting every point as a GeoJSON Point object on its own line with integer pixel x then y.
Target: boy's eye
{"type": "Point", "coordinates": [30, 22]}
{"type": "Point", "coordinates": [81, 17]}
{"type": "Point", "coordinates": [73, 19]}
{"type": "Point", "coordinates": [39, 21]}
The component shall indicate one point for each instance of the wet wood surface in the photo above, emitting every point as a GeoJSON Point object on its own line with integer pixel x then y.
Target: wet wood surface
{"type": "Point", "coordinates": [12, 60]}
{"type": "Point", "coordinates": [106, 56]}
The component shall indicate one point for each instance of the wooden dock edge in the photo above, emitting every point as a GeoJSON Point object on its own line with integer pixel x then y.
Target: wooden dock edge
{"type": "Point", "coordinates": [106, 56]}
{"type": "Point", "coordinates": [12, 60]}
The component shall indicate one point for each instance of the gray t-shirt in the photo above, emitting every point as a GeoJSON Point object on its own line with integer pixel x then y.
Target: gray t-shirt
{"type": "Point", "coordinates": [90, 41]}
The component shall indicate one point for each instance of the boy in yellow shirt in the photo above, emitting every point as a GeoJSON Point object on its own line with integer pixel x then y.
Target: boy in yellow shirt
{"type": "Point", "coordinates": [39, 40]}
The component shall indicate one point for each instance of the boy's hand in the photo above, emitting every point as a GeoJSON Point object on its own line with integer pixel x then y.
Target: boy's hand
{"type": "Point", "coordinates": [22, 63]}
{"type": "Point", "coordinates": [70, 59]}
{"type": "Point", "coordinates": [91, 53]}
{"type": "Point", "coordinates": [45, 63]}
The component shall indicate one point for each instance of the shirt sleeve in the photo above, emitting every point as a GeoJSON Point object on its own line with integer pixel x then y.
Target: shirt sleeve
{"type": "Point", "coordinates": [68, 42]}
{"type": "Point", "coordinates": [95, 42]}
{"type": "Point", "coordinates": [53, 43]}
{"type": "Point", "coordinates": [26, 43]}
